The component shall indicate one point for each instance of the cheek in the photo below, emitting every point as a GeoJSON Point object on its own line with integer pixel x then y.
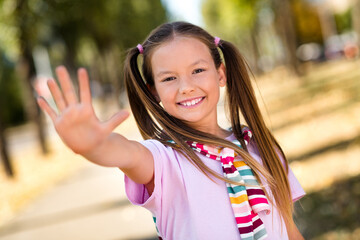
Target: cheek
{"type": "Point", "coordinates": [167, 103]}
{"type": "Point", "coordinates": [165, 95]}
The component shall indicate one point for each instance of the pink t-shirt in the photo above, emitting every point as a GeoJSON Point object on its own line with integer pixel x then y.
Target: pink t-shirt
{"type": "Point", "coordinates": [188, 205]}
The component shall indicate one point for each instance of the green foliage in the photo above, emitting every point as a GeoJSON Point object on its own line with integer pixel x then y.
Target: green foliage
{"type": "Point", "coordinates": [235, 18]}
{"type": "Point", "coordinates": [88, 33]}
{"type": "Point", "coordinates": [343, 22]}
{"type": "Point", "coordinates": [123, 23]}
{"type": "Point", "coordinates": [66, 23]}
{"type": "Point", "coordinates": [230, 19]}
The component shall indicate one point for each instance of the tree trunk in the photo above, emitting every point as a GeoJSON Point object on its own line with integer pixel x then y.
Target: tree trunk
{"type": "Point", "coordinates": [32, 110]}
{"type": "Point", "coordinates": [327, 22]}
{"type": "Point", "coordinates": [4, 151]}
{"type": "Point", "coordinates": [255, 47]}
{"type": "Point", "coordinates": [115, 74]}
{"type": "Point", "coordinates": [356, 19]}
{"type": "Point", "coordinates": [28, 72]}
{"type": "Point", "coordinates": [285, 27]}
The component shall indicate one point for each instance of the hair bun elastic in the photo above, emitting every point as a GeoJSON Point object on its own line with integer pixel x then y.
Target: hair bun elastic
{"type": "Point", "coordinates": [140, 47]}
{"type": "Point", "coordinates": [217, 41]}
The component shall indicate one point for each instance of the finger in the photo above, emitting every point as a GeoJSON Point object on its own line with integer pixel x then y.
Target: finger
{"type": "Point", "coordinates": [57, 95]}
{"type": "Point", "coordinates": [66, 85]}
{"type": "Point", "coordinates": [115, 120]}
{"type": "Point", "coordinates": [46, 107]}
{"type": "Point", "coordinates": [85, 94]}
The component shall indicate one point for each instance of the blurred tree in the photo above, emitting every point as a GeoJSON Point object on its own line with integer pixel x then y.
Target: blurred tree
{"type": "Point", "coordinates": [90, 33]}
{"type": "Point", "coordinates": [307, 23]}
{"type": "Point", "coordinates": [235, 21]}
{"type": "Point", "coordinates": [11, 110]}
{"type": "Point", "coordinates": [243, 22]}
{"type": "Point", "coordinates": [343, 22]}
{"type": "Point", "coordinates": [285, 25]}
{"type": "Point", "coordinates": [82, 32]}
{"type": "Point", "coordinates": [4, 149]}
{"type": "Point", "coordinates": [27, 22]}
{"type": "Point", "coordinates": [355, 17]}
{"type": "Point", "coordinates": [327, 21]}
{"type": "Point", "coordinates": [97, 33]}
{"type": "Point", "coordinates": [126, 24]}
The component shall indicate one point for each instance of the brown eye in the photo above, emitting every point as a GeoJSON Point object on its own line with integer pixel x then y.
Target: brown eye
{"type": "Point", "coordinates": [199, 70]}
{"type": "Point", "coordinates": [168, 79]}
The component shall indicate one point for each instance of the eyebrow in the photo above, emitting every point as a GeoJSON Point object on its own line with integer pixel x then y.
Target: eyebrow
{"type": "Point", "coordinates": [193, 64]}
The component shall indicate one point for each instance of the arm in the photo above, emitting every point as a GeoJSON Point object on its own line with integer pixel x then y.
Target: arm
{"type": "Point", "coordinates": [80, 129]}
{"type": "Point", "coordinates": [294, 233]}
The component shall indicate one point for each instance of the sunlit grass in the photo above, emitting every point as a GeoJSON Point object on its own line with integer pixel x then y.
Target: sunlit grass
{"type": "Point", "coordinates": [316, 119]}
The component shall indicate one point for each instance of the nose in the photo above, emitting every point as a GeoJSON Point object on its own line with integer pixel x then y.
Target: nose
{"type": "Point", "coordinates": [186, 85]}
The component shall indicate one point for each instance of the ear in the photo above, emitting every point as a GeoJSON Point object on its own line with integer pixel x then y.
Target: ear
{"type": "Point", "coordinates": [222, 75]}
{"type": "Point", "coordinates": [154, 92]}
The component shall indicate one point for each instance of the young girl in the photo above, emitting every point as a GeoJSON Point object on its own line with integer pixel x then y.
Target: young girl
{"type": "Point", "coordinates": [198, 180]}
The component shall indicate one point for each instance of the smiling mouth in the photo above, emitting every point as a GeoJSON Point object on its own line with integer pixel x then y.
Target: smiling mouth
{"type": "Point", "coordinates": [192, 102]}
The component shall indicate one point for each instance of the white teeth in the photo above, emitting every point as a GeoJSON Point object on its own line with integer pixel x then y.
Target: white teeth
{"type": "Point", "coordinates": [192, 102]}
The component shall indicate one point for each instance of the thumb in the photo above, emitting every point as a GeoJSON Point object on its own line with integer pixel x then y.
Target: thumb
{"type": "Point", "coordinates": [116, 120]}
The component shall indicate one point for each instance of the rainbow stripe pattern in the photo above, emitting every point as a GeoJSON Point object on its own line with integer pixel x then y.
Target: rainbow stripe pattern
{"type": "Point", "coordinates": [246, 200]}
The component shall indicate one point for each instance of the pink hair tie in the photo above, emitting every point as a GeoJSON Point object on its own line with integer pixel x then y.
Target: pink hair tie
{"type": "Point", "coordinates": [217, 41]}
{"type": "Point", "coordinates": [140, 47]}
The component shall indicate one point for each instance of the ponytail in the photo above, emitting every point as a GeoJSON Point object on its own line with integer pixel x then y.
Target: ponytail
{"type": "Point", "coordinates": [241, 96]}
{"type": "Point", "coordinates": [135, 84]}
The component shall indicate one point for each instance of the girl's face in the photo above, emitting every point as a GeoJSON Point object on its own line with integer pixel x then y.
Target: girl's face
{"type": "Point", "coordinates": [187, 81]}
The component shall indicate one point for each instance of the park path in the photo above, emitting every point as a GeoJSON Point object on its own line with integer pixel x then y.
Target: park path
{"type": "Point", "coordinates": [90, 204]}
{"type": "Point", "coordinates": [84, 202]}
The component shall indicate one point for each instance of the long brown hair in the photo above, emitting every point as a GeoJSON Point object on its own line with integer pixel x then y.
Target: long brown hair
{"type": "Point", "coordinates": [155, 123]}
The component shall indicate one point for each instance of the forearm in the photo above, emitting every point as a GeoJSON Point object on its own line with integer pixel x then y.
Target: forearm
{"type": "Point", "coordinates": [114, 151]}
{"type": "Point", "coordinates": [294, 233]}
{"type": "Point", "coordinates": [131, 157]}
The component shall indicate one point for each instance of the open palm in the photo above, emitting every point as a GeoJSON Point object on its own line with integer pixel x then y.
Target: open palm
{"type": "Point", "coordinates": [75, 121]}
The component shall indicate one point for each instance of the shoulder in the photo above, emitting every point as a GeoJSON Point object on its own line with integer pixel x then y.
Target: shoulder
{"type": "Point", "coordinates": [153, 144]}
{"type": "Point", "coordinates": [159, 150]}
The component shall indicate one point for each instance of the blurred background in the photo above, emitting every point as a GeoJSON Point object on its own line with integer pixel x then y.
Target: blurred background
{"type": "Point", "coordinates": [304, 55]}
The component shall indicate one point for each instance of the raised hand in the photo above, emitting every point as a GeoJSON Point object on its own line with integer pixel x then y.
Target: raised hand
{"type": "Point", "coordinates": [75, 121]}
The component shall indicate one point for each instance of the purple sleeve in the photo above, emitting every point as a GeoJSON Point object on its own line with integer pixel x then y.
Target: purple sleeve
{"type": "Point", "coordinates": [137, 193]}
{"type": "Point", "coordinates": [297, 191]}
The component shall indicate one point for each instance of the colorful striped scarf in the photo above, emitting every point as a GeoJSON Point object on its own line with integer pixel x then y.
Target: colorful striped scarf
{"type": "Point", "coordinates": [246, 201]}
